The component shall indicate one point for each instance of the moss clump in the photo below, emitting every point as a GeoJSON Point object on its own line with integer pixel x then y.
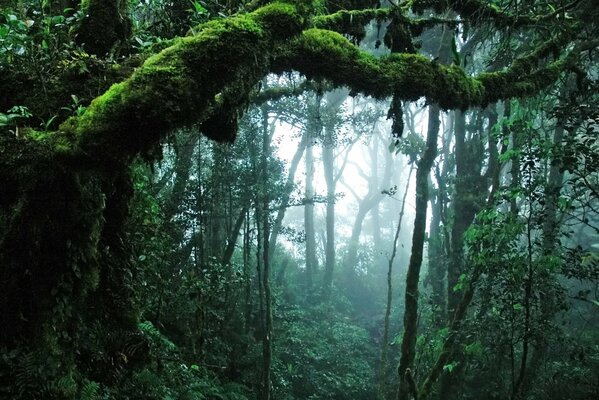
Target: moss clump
{"type": "Point", "coordinates": [281, 19]}
{"type": "Point", "coordinates": [61, 142]}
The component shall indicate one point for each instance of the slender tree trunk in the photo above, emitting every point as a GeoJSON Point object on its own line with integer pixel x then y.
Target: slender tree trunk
{"type": "Point", "coordinates": [462, 213]}
{"type": "Point", "coordinates": [552, 192]}
{"type": "Point", "coordinates": [468, 197]}
{"type": "Point", "coordinates": [527, 300]}
{"type": "Point", "coordinates": [328, 161]}
{"type": "Point", "coordinates": [516, 142]}
{"type": "Point", "coordinates": [550, 230]}
{"type": "Point", "coordinates": [276, 228]}
{"type": "Point", "coordinates": [436, 263]}
{"type": "Point", "coordinates": [386, 182]}
{"type": "Point", "coordinates": [268, 331]}
{"type": "Point", "coordinates": [385, 341]}
{"type": "Point", "coordinates": [246, 272]}
{"type": "Point", "coordinates": [311, 260]}
{"type": "Point", "coordinates": [408, 345]}
{"type": "Point", "coordinates": [448, 348]}
{"type": "Point", "coordinates": [439, 247]}
{"type": "Point", "coordinates": [234, 235]}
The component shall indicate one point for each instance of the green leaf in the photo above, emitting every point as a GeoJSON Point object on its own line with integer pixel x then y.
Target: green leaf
{"type": "Point", "coordinates": [198, 8]}
{"type": "Point", "coordinates": [450, 367]}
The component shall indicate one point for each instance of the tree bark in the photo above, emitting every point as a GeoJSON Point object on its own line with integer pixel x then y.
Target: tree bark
{"type": "Point", "coordinates": [408, 344]}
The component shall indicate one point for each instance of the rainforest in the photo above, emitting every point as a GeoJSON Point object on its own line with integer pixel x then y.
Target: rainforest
{"type": "Point", "coordinates": [299, 199]}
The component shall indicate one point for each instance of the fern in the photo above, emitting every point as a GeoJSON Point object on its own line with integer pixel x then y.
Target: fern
{"type": "Point", "coordinates": [90, 391]}
{"type": "Point", "coordinates": [29, 379]}
{"type": "Point", "coordinates": [153, 333]}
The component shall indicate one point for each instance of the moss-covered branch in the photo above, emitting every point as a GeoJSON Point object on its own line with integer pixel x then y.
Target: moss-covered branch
{"type": "Point", "coordinates": [183, 84]}
{"type": "Point", "coordinates": [325, 54]}
{"type": "Point", "coordinates": [485, 11]}
{"type": "Point", "coordinates": [192, 79]}
{"type": "Point", "coordinates": [353, 22]}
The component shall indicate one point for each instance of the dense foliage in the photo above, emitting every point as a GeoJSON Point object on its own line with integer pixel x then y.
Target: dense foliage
{"type": "Point", "coordinates": [299, 199]}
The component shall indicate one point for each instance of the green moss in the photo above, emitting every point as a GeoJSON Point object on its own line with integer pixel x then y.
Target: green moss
{"type": "Point", "coordinates": [509, 83]}
{"type": "Point", "coordinates": [282, 19]}
{"type": "Point", "coordinates": [177, 86]}
{"type": "Point", "coordinates": [62, 143]}
{"type": "Point", "coordinates": [351, 23]}
{"type": "Point", "coordinates": [326, 54]}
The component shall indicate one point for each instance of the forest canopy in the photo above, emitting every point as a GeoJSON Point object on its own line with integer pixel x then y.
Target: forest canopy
{"type": "Point", "coordinates": [158, 242]}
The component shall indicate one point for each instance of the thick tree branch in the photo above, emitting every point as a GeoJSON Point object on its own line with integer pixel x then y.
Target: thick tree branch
{"type": "Point", "coordinates": [326, 54]}
{"type": "Point", "coordinates": [183, 84]}
{"type": "Point", "coordinates": [217, 68]}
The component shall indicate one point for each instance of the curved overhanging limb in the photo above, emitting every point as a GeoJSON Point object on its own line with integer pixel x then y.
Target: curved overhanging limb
{"type": "Point", "coordinates": [326, 54]}
{"type": "Point", "coordinates": [185, 83]}
{"type": "Point", "coordinates": [191, 80]}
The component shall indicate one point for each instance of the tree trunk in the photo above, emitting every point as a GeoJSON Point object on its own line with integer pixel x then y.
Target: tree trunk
{"type": "Point", "coordinates": [311, 260]}
{"type": "Point", "coordinates": [463, 213]}
{"type": "Point", "coordinates": [436, 263]}
{"type": "Point", "coordinates": [276, 228]}
{"type": "Point", "coordinates": [328, 161]}
{"type": "Point", "coordinates": [105, 25]}
{"type": "Point", "coordinates": [408, 344]}
{"type": "Point", "coordinates": [385, 346]}
{"type": "Point", "coordinates": [264, 214]}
